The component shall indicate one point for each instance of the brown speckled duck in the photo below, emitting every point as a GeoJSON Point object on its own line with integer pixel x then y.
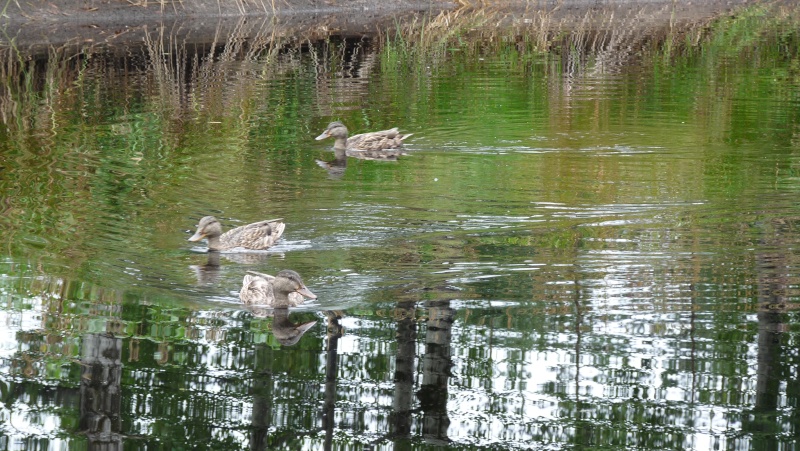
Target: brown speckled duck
{"type": "Point", "coordinates": [284, 290]}
{"type": "Point", "coordinates": [256, 236]}
{"type": "Point", "coordinates": [381, 141]}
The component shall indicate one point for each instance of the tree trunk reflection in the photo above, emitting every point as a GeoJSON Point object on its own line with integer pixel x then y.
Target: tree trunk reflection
{"type": "Point", "coordinates": [773, 284]}
{"type": "Point", "coordinates": [334, 332]}
{"type": "Point", "coordinates": [400, 419]}
{"type": "Point", "coordinates": [436, 365]}
{"type": "Point", "coordinates": [101, 371]}
{"type": "Point", "coordinates": [263, 394]}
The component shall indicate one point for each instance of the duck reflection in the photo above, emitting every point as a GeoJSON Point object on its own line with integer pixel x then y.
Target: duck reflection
{"type": "Point", "coordinates": [208, 274]}
{"type": "Point", "coordinates": [284, 330]}
{"type": "Point", "coordinates": [338, 165]}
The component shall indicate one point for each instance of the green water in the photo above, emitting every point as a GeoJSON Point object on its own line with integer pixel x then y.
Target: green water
{"type": "Point", "coordinates": [583, 249]}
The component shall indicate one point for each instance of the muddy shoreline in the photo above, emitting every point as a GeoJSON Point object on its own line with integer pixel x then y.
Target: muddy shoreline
{"type": "Point", "coordinates": [37, 25]}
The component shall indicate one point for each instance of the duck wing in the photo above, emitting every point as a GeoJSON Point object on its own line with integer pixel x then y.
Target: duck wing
{"type": "Point", "coordinates": [258, 235]}
{"type": "Point", "coordinates": [256, 290]}
{"type": "Point", "coordinates": [380, 140]}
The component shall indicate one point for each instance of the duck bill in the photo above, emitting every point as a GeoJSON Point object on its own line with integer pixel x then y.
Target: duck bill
{"type": "Point", "coordinates": [322, 136]}
{"type": "Point", "coordinates": [197, 236]}
{"type": "Point", "coordinates": [307, 293]}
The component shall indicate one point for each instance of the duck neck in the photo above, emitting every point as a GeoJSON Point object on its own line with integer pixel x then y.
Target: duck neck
{"type": "Point", "coordinates": [281, 300]}
{"type": "Point", "coordinates": [213, 243]}
{"type": "Point", "coordinates": [340, 144]}
{"type": "Point", "coordinates": [339, 154]}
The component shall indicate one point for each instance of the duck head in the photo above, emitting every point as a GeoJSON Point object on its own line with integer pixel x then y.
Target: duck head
{"type": "Point", "coordinates": [335, 130]}
{"type": "Point", "coordinates": [211, 229]}
{"type": "Point", "coordinates": [287, 282]}
{"type": "Point", "coordinates": [207, 227]}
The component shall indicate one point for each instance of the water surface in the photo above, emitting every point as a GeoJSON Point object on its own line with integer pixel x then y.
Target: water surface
{"type": "Point", "coordinates": [586, 247]}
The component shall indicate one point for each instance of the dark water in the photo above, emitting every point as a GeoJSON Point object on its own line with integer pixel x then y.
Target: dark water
{"type": "Point", "coordinates": [587, 246]}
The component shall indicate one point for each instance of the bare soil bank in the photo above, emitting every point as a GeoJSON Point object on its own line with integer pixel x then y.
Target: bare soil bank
{"type": "Point", "coordinates": [35, 25]}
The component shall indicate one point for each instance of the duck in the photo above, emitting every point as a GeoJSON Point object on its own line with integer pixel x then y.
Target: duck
{"type": "Point", "coordinates": [381, 141]}
{"type": "Point", "coordinates": [285, 289]}
{"type": "Point", "coordinates": [256, 236]}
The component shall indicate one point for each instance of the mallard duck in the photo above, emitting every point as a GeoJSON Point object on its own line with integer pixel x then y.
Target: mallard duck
{"type": "Point", "coordinates": [256, 236]}
{"type": "Point", "coordinates": [286, 289]}
{"type": "Point", "coordinates": [383, 140]}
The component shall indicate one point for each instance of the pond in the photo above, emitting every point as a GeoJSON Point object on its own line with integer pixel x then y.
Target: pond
{"type": "Point", "coordinates": [591, 241]}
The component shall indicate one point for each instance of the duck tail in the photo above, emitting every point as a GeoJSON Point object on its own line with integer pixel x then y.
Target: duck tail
{"type": "Point", "coordinates": [248, 279]}
{"type": "Point", "coordinates": [256, 274]}
{"type": "Point", "coordinates": [277, 230]}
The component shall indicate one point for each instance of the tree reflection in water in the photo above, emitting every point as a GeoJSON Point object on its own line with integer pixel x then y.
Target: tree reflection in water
{"type": "Point", "coordinates": [101, 391]}
{"type": "Point", "coordinates": [436, 364]}
{"type": "Point", "coordinates": [333, 333]}
{"type": "Point", "coordinates": [400, 418]}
